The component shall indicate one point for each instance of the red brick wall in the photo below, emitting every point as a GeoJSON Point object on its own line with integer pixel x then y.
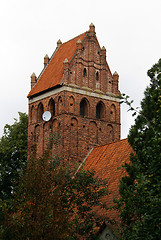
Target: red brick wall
{"type": "Point", "coordinates": [78, 134]}
{"type": "Point", "coordinates": [92, 58]}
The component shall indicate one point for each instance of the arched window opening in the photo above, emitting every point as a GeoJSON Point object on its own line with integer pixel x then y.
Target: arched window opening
{"type": "Point", "coordinates": [74, 122]}
{"type": "Point", "coordinates": [60, 105]}
{"type": "Point", "coordinates": [97, 76]}
{"type": "Point", "coordinates": [84, 108]}
{"type": "Point", "coordinates": [50, 129]}
{"type": "Point", "coordinates": [100, 110]}
{"type": "Point", "coordinates": [84, 72]}
{"type": "Point", "coordinates": [93, 133]}
{"type": "Point", "coordinates": [73, 143]}
{"type": "Point", "coordinates": [52, 107]}
{"type": "Point", "coordinates": [71, 104]}
{"type": "Point", "coordinates": [113, 113]}
{"type": "Point", "coordinates": [32, 112]}
{"type": "Point", "coordinates": [40, 112]}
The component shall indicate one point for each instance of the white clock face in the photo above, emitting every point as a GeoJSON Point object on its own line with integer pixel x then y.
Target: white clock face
{"type": "Point", "coordinates": [46, 116]}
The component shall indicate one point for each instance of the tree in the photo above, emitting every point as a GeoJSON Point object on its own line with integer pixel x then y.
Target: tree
{"type": "Point", "coordinates": [54, 201]}
{"type": "Point", "coordinates": [140, 189]}
{"type": "Point", "coordinates": [13, 155]}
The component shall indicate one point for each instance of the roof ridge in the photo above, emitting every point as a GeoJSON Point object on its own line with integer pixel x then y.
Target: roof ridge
{"type": "Point", "coordinates": [83, 162]}
{"type": "Point", "coordinates": [56, 49]}
{"type": "Point", "coordinates": [47, 63]}
{"type": "Point", "coordinates": [75, 37]}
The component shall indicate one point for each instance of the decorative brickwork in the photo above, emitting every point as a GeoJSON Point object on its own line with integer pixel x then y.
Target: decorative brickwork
{"type": "Point", "coordinates": [77, 87]}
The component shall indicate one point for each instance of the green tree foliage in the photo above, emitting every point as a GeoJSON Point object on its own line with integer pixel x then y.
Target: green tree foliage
{"type": "Point", "coordinates": [140, 190]}
{"type": "Point", "coordinates": [53, 201]}
{"type": "Point", "coordinates": [13, 155]}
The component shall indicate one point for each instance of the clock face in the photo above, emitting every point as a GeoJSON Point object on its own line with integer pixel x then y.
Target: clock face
{"type": "Point", "coordinates": [46, 116]}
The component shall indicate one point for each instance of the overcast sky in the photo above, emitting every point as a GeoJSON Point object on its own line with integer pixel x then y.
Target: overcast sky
{"type": "Point", "coordinates": [29, 29]}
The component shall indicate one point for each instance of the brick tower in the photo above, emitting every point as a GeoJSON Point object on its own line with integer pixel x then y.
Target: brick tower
{"type": "Point", "coordinates": [77, 87]}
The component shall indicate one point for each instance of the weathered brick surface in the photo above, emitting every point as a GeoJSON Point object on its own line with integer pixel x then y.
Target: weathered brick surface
{"type": "Point", "coordinates": [86, 76]}
{"type": "Point", "coordinates": [78, 133]}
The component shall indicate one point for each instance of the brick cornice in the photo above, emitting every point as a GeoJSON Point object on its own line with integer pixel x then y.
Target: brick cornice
{"type": "Point", "coordinates": [76, 89]}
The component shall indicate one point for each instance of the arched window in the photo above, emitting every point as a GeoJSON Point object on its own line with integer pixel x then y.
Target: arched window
{"type": "Point", "coordinates": [71, 104]}
{"type": "Point", "coordinates": [97, 76]}
{"type": "Point", "coordinates": [40, 112]}
{"type": "Point", "coordinates": [60, 105]}
{"type": "Point", "coordinates": [100, 110]}
{"type": "Point", "coordinates": [32, 114]}
{"type": "Point", "coordinates": [84, 107]}
{"type": "Point", "coordinates": [73, 143]}
{"type": "Point", "coordinates": [84, 72]}
{"type": "Point", "coordinates": [52, 107]}
{"type": "Point", "coordinates": [113, 113]}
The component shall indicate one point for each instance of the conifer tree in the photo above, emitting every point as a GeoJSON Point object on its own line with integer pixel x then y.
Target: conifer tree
{"type": "Point", "coordinates": [140, 190]}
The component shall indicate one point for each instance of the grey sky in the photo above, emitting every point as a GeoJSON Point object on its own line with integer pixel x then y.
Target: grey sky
{"type": "Point", "coordinates": [130, 31]}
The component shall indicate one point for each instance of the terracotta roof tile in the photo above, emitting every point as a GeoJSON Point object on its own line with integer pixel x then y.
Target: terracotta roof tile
{"type": "Point", "coordinates": [106, 160]}
{"type": "Point", "coordinates": [53, 73]}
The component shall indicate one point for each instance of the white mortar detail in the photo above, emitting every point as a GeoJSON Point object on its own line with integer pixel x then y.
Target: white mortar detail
{"type": "Point", "coordinates": [75, 90]}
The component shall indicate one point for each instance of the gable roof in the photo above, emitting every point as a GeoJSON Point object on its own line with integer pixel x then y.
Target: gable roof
{"type": "Point", "coordinates": [106, 161]}
{"type": "Point", "coordinates": [53, 73]}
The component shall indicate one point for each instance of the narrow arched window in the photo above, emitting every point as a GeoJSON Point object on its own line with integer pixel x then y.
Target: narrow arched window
{"type": "Point", "coordinates": [100, 110]}
{"type": "Point", "coordinates": [97, 76]}
{"type": "Point", "coordinates": [32, 113]}
{"type": "Point", "coordinates": [40, 112]}
{"type": "Point", "coordinates": [113, 113]}
{"type": "Point", "coordinates": [52, 107]}
{"type": "Point", "coordinates": [84, 107]}
{"type": "Point", "coordinates": [71, 105]}
{"type": "Point", "coordinates": [84, 72]}
{"type": "Point", "coordinates": [60, 105]}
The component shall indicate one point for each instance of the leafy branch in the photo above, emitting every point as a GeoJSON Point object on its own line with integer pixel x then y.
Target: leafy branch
{"type": "Point", "coordinates": [126, 99]}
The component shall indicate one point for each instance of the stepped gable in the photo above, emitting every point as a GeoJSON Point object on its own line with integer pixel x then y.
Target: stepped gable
{"type": "Point", "coordinates": [53, 73]}
{"type": "Point", "coordinates": [106, 161]}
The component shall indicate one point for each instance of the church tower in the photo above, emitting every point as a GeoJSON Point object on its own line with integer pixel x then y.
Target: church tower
{"type": "Point", "coordinates": [77, 87]}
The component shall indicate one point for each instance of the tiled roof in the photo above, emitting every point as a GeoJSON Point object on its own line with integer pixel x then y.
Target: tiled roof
{"type": "Point", "coordinates": [53, 73]}
{"type": "Point", "coordinates": [106, 160]}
